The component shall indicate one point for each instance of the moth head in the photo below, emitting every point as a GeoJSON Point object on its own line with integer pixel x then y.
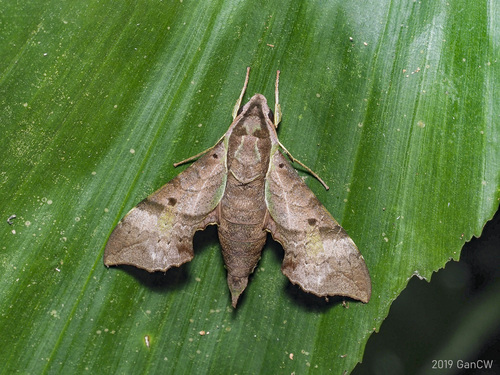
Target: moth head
{"type": "Point", "coordinates": [269, 114]}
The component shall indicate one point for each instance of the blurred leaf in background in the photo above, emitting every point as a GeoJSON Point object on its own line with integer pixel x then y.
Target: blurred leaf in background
{"type": "Point", "coordinates": [449, 325]}
{"type": "Point", "coordinates": [394, 104]}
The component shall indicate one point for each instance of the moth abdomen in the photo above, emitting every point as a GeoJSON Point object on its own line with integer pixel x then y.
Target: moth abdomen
{"type": "Point", "coordinates": [240, 258]}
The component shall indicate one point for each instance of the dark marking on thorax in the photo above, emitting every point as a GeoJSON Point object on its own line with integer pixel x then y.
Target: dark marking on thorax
{"type": "Point", "coordinates": [249, 147]}
{"type": "Point", "coordinates": [250, 144]}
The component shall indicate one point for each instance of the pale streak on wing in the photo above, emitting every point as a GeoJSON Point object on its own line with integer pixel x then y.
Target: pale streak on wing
{"type": "Point", "coordinates": [319, 255]}
{"type": "Point", "coordinates": [286, 201]}
{"type": "Point", "coordinates": [158, 233]}
{"type": "Point", "coordinates": [200, 194]}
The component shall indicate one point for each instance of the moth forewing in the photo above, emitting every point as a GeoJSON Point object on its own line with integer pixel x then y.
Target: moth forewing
{"type": "Point", "coordinates": [158, 233]}
{"type": "Point", "coordinates": [247, 187]}
{"type": "Point", "coordinates": [319, 255]}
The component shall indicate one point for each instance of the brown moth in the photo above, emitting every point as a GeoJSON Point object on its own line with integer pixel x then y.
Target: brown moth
{"type": "Point", "coordinates": [246, 186]}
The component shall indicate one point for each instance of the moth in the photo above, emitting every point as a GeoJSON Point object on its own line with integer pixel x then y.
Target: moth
{"type": "Point", "coordinates": [245, 186]}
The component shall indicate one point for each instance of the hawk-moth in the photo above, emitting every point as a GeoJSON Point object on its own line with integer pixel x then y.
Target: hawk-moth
{"type": "Point", "coordinates": [247, 187]}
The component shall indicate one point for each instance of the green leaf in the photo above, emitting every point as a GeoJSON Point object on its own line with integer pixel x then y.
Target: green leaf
{"type": "Point", "coordinates": [393, 104]}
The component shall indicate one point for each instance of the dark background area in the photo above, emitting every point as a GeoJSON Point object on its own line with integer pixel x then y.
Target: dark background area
{"type": "Point", "coordinates": [456, 316]}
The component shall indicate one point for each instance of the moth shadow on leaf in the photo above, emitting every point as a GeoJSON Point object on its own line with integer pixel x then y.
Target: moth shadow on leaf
{"type": "Point", "coordinates": [174, 278]}
{"type": "Point", "coordinates": [310, 302]}
{"type": "Point", "coordinates": [161, 282]}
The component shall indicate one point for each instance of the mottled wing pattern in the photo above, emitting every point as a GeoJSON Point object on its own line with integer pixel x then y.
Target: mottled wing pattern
{"type": "Point", "coordinates": [158, 233]}
{"type": "Point", "coordinates": [319, 255]}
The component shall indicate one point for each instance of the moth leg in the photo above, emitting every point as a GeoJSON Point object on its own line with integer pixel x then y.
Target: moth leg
{"type": "Point", "coordinates": [193, 157]}
{"type": "Point", "coordinates": [277, 106]}
{"type": "Point", "coordinates": [238, 102]}
{"type": "Point", "coordinates": [304, 166]}
{"type": "Point", "coordinates": [197, 155]}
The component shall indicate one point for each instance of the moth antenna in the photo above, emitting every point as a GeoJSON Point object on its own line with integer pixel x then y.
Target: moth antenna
{"type": "Point", "coordinates": [277, 106]}
{"type": "Point", "coordinates": [238, 102]}
{"type": "Point", "coordinates": [304, 166]}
